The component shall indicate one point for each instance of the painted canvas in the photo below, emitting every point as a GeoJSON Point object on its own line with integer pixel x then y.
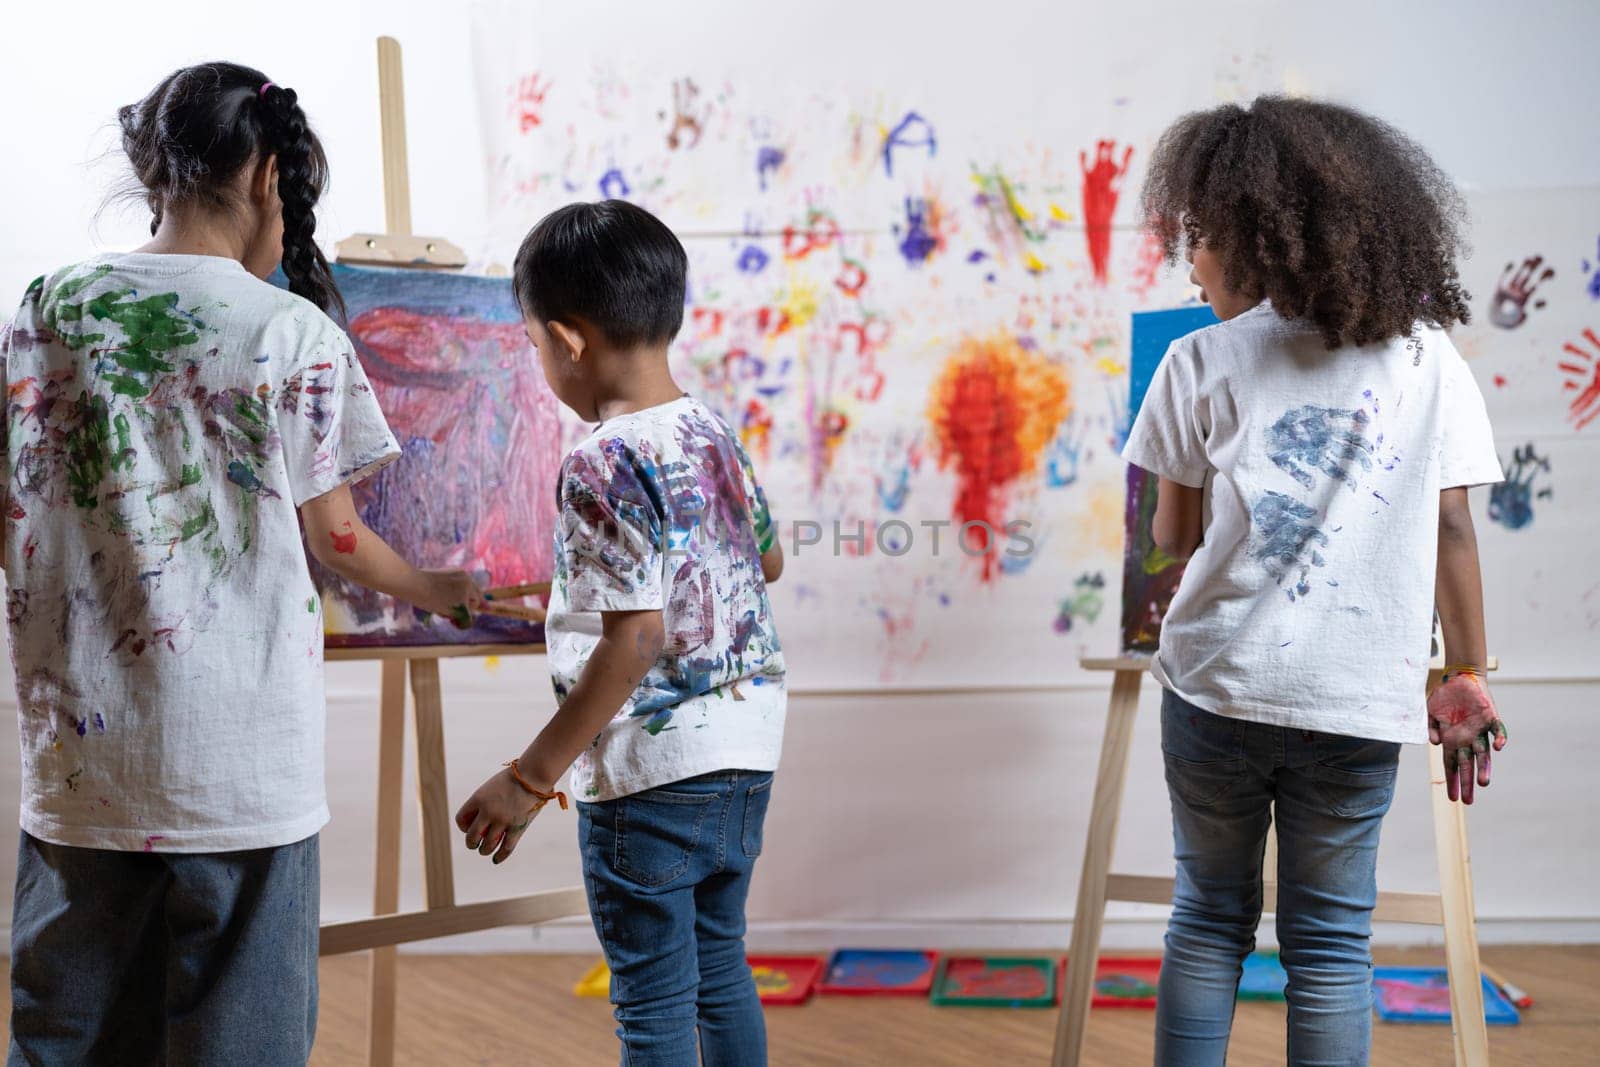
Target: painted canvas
{"type": "Point", "coordinates": [1422, 995]}
{"type": "Point", "coordinates": [869, 972]}
{"type": "Point", "coordinates": [480, 447]}
{"type": "Point", "coordinates": [995, 982]}
{"type": "Point", "coordinates": [785, 979]}
{"type": "Point", "coordinates": [1149, 575]}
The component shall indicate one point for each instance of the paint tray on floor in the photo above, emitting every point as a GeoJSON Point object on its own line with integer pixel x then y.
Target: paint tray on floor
{"type": "Point", "coordinates": [1126, 982]}
{"type": "Point", "coordinates": [1264, 977]}
{"type": "Point", "coordinates": [596, 982]}
{"type": "Point", "coordinates": [1422, 995]}
{"type": "Point", "coordinates": [877, 971]}
{"type": "Point", "coordinates": [785, 979]}
{"type": "Point", "coordinates": [995, 982]}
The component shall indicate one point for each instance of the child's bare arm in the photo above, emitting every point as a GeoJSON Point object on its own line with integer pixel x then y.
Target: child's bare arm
{"type": "Point", "coordinates": [1459, 583]}
{"type": "Point", "coordinates": [496, 815]}
{"type": "Point", "coordinates": [1176, 525]}
{"type": "Point", "coordinates": [345, 545]}
{"type": "Point", "coordinates": [1461, 714]}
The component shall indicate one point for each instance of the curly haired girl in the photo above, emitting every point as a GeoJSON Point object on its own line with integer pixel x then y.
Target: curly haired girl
{"type": "Point", "coordinates": [1314, 451]}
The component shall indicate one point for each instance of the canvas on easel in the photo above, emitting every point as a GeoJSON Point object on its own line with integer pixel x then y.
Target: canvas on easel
{"type": "Point", "coordinates": [1149, 576]}
{"type": "Point", "coordinates": [480, 449]}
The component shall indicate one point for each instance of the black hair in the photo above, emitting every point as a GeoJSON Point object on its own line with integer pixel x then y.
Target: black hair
{"type": "Point", "coordinates": [612, 264]}
{"type": "Point", "coordinates": [192, 135]}
{"type": "Point", "coordinates": [1333, 215]}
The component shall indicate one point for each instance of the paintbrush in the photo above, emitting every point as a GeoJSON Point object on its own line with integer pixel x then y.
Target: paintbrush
{"type": "Point", "coordinates": [1513, 993]}
{"type": "Point", "coordinates": [516, 592]}
{"type": "Point", "coordinates": [514, 611]}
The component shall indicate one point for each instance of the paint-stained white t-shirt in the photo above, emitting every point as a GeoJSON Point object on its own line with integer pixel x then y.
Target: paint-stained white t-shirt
{"type": "Point", "coordinates": [1309, 603]}
{"type": "Point", "coordinates": [165, 417]}
{"type": "Point", "coordinates": [661, 510]}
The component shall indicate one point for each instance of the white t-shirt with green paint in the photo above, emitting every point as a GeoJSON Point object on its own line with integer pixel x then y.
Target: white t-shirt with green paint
{"type": "Point", "coordinates": [166, 415]}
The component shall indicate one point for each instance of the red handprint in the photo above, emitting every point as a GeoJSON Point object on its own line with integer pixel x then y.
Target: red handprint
{"type": "Point", "coordinates": [1583, 378]}
{"type": "Point", "coordinates": [1102, 184]}
{"type": "Point", "coordinates": [1517, 284]}
{"type": "Point", "coordinates": [527, 101]}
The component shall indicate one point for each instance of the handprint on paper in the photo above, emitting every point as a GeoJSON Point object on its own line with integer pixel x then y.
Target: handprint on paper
{"type": "Point", "coordinates": [1102, 184]}
{"type": "Point", "coordinates": [1515, 289]}
{"type": "Point", "coordinates": [1511, 502]}
{"type": "Point", "coordinates": [1583, 377]}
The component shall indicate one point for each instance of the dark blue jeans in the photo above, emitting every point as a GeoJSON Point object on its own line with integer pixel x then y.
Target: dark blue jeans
{"type": "Point", "coordinates": [1331, 793]}
{"type": "Point", "coordinates": [123, 958]}
{"type": "Point", "coordinates": [668, 871]}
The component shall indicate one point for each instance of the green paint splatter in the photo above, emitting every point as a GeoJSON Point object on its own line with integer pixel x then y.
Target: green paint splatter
{"type": "Point", "coordinates": [58, 309]}
{"type": "Point", "coordinates": [125, 455]}
{"type": "Point", "coordinates": [190, 475]}
{"type": "Point", "coordinates": [149, 326]}
{"type": "Point", "coordinates": [1157, 560]}
{"type": "Point", "coordinates": [311, 606]}
{"type": "Point", "coordinates": [198, 523]}
{"type": "Point", "coordinates": [152, 325]}
{"type": "Point", "coordinates": [88, 445]}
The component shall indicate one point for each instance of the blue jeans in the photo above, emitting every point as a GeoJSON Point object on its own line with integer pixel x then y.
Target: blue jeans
{"type": "Point", "coordinates": [124, 958]}
{"type": "Point", "coordinates": [1331, 793]}
{"type": "Point", "coordinates": [668, 871]}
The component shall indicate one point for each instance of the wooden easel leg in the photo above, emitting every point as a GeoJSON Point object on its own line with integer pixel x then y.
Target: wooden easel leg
{"type": "Point", "coordinates": [1090, 916]}
{"type": "Point", "coordinates": [433, 795]}
{"type": "Point", "coordinates": [1470, 1032]}
{"type": "Point", "coordinates": [381, 987]}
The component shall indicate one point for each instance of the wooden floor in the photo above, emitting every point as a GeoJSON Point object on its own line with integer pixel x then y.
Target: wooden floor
{"type": "Point", "coordinates": [520, 1010]}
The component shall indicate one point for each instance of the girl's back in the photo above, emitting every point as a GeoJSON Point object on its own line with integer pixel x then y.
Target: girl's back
{"type": "Point", "coordinates": [166, 415]}
{"type": "Point", "coordinates": [1322, 471]}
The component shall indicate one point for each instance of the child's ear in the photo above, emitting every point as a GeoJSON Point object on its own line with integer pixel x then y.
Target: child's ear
{"type": "Point", "coordinates": [570, 337]}
{"type": "Point", "coordinates": [264, 180]}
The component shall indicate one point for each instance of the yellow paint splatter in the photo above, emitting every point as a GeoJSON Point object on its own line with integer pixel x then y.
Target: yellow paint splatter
{"type": "Point", "coordinates": [1059, 213]}
{"type": "Point", "coordinates": [491, 663]}
{"type": "Point", "coordinates": [1100, 521]}
{"type": "Point", "coordinates": [798, 303]}
{"type": "Point", "coordinates": [1034, 264]}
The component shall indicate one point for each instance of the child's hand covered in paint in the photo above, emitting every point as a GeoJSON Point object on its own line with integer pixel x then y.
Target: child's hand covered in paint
{"type": "Point", "coordinates": [452, 594]}
{"type": "Point", "coordinates": [1462, 720]}
{"type": "Point", "coordinates": [497, 814]}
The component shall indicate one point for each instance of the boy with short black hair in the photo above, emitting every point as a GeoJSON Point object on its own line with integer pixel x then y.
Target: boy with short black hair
{"type": "Point", "coordinates": [665, 661]}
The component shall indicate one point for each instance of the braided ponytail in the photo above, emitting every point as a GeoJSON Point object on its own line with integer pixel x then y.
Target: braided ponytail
{"type": "Point", "coordinates": [193, 134]}
{"type": "Point", "coordinates": [302, 173]}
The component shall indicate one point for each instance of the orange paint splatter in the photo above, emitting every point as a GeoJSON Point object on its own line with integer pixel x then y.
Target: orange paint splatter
{"type": "Point", "coordinates": [995, 406]}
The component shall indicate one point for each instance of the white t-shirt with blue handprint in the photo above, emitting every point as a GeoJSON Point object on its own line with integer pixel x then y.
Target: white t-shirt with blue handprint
{"type": "Point", "coordinates": [1309, 603]}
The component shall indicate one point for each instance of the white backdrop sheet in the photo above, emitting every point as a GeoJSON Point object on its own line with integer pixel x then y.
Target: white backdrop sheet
{"type": "Point", "coordinates": [879, 238]}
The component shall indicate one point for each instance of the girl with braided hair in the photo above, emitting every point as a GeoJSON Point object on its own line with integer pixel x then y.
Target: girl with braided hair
{"type": "Point", "coordinates": [172, 420]}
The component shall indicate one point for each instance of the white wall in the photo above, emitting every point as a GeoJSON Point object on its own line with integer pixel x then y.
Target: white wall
{"type": "Point", "coordinates": [918, 818]}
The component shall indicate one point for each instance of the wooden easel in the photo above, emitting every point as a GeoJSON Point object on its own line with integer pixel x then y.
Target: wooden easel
{"type": "Point", "coordinates": [1451, 907]}
{"type": "Point", "coordinates": [442, 916]}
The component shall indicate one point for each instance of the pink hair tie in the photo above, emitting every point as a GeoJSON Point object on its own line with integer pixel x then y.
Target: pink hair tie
{"type": "Point", "coordinates": [264, 87]}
